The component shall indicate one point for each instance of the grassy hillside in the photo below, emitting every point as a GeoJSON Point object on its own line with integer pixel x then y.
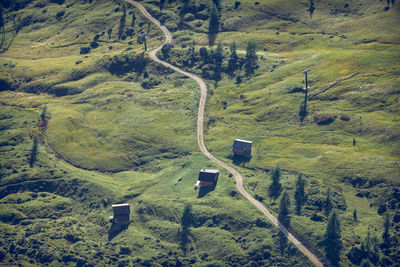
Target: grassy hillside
{"type": "Point", "coordinates": [119, 128]}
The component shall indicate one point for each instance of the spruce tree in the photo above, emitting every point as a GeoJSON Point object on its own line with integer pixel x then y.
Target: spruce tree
{"type": "Point", "coordinates": [299, 194]}
{"type": "Point", "coordinates": [122, 22]}
{"type": "Point", "coordinates": [251, 58]}
{"type": "Point", "coordinates": [43, 114]}
{"type": "Point", "coordinates": [219, 57]}
{"type": "Point", "coordinates": [333, 238]}
{"type": "Point", "coordinates": [311, 8]}
{"type": "Point", "coordinates": [233, 60]}
{"type": "Point", "coordinates": [355, 215]}
{"type": "Point", "coordinates": [328, 205]}
{"type": "Point", "coordinates": [275, 187]}
{"type": "Point", "coordinates": [213, 26]}
{"type": "Point", "coordinates": [386, 233]}
{"type": "Point", "coordinates": [284, 205]}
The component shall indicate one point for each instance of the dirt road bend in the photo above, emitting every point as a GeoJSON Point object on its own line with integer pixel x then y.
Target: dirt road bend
{"type": "Point", "coordinates": [200, 137]}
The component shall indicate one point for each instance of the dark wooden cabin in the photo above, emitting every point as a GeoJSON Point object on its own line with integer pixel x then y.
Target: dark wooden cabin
{"type": "Point", "coordinates": [121, 213]}
{"type": "Point", "coordinates": [207, 177]}
{"type": "Point", "coordinates": [242, 148]}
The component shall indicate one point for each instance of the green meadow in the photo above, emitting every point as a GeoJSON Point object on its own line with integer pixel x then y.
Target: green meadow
{"type": "Point", "coordinates": [120, 128]}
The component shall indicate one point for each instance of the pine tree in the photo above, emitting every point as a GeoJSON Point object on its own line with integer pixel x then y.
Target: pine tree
{"type": "Point", "coordinates": [251, 58]}
{"type": "Point", "coordinates": [299, 194]}
{"type": "Point", "coordinates": [122, 22]}
{"type": "Point", "coordinates": [233, 60]}
{"type": "Point", "coordinates": [333, 238]}
{"type": "Point", "coordinates": [192, 50]}
{"type": "Point", "coordinates": [284, 205]}
{"type": "Point", "coordinates": [328, 202]}
{"type": "Point", "coordinates": [386, 233]}
{"type": "Point", "coordinates": [275, 187]}
{"type": "Point", "coordinates": [311, 8]}
{"type": "Point", "coordinates": [213, 27]}
{"type": "Point", "coordinates": [43, 114]}
{"type": "Point", "coordinates": [355, 215]}
{"type": "Point", "coordinates": [219, 57]}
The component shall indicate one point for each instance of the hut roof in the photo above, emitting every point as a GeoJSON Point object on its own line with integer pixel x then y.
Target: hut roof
{"type": "Point", "coordinates": [243, 141]}
{"type": "Point", "coordinates": [208, 175]}
{"type": "Point", "coordinates": [121, 209]}
{"type": "Point", "coordinates": [241, 145]}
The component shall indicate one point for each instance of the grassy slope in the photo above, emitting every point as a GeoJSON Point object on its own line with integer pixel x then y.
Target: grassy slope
{"type": "Point", "coordinates": [55, 213]}
{"type": "Point", "coordinates": [360, 40]}
{"type": "Point", "coordinates": [107, 126]}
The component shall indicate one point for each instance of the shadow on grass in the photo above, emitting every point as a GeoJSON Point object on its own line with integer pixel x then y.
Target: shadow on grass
{"type": "Point", "coordinates": [116, 229]}
{"type": "Point", "coordinates": [240, 160]}
{"type": "Point", "coordinates": [204, 190]}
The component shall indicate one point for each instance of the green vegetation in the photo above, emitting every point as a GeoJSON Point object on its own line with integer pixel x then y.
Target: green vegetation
{"type": "Point", "coordinates": [299, 194]}
{"type": "Point", "coordinates": [333, 239]}
{"type": "Point", "coordinates": [114, 127]}
{"type": "Point", "coordinates": [275, 188]}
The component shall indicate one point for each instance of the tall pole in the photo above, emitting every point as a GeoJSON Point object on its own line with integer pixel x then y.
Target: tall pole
{"type": "Point", "coordinates": [145, 44]}
{"type": "Point", "coordinates": [305, 95]}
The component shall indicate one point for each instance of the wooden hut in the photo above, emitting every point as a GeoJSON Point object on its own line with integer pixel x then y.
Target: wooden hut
{"type": "Point", "coordinates": [121, 213]}
{"type": "Point", "coordinates": [242, 148]}
{"type": "Point", "coordinates": [207, 177]}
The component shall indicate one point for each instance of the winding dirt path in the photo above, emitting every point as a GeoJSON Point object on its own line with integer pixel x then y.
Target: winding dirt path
{"type": "Point", "coordinates": [200, 139]}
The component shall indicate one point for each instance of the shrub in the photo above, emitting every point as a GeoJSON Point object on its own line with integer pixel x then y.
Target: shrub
{"type": "Point", "coordinates": [85, 50]}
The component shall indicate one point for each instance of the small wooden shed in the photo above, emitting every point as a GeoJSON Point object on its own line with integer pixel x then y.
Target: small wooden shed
{"type": "Point", "coordinates": [207, 177]}
{"type": "Point", "coordinates": [121, 213]}
{"type": "Point", "coordinates": [242, 147]}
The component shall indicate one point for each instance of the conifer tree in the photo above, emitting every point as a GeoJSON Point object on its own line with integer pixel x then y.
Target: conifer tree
{"type": "Point", "coordinates": [213, 27]}
{"type": "Point", "coordinates": [311, 8]}
{"type": "Point", "coordinates": [355, 215]}
{"type": "Point", "coordinates": [233, 60]}
{"type": "Point", "coordinates": [284, 205]}
{"type": "Point", "coordinates": [386, 233]}
{"type": "Point", "coordinates": [251, 58]}
{"type": "Point", "coordinates": [43, 114]}
{"type": "Point", "coordinates": [299, 194]}
{"type": "Point", "coordinates": [275, 187]}
{"type": "Point", "coordinates": [122, 22]}
{"type": "Point", "coordinates": [328, 205]}
{"type": "Point", "coordinates": [333, 238]}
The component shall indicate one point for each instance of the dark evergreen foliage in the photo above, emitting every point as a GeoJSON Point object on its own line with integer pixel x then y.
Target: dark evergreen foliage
{"type": "Point", "coordinates": [122, 22]}
{"type": "Point", "coordinates": [275, 187]}
{"type": "Point", "coordinates": [328, 205]}
{"type": "Point", "coordinates": [333, 238]}
{"type": "Point", "coordinates": [213, 27]}
{"type": "Point", "coordinates": [299, 194]}
{"type": "Point", "coordinates": [284, 205]}
{"type": "Point", "coordinates": [233, 60]}
{"type": "Point", "coordinates": [311, 8]}
{"type": "Point", "coordinates": [251, 58]}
